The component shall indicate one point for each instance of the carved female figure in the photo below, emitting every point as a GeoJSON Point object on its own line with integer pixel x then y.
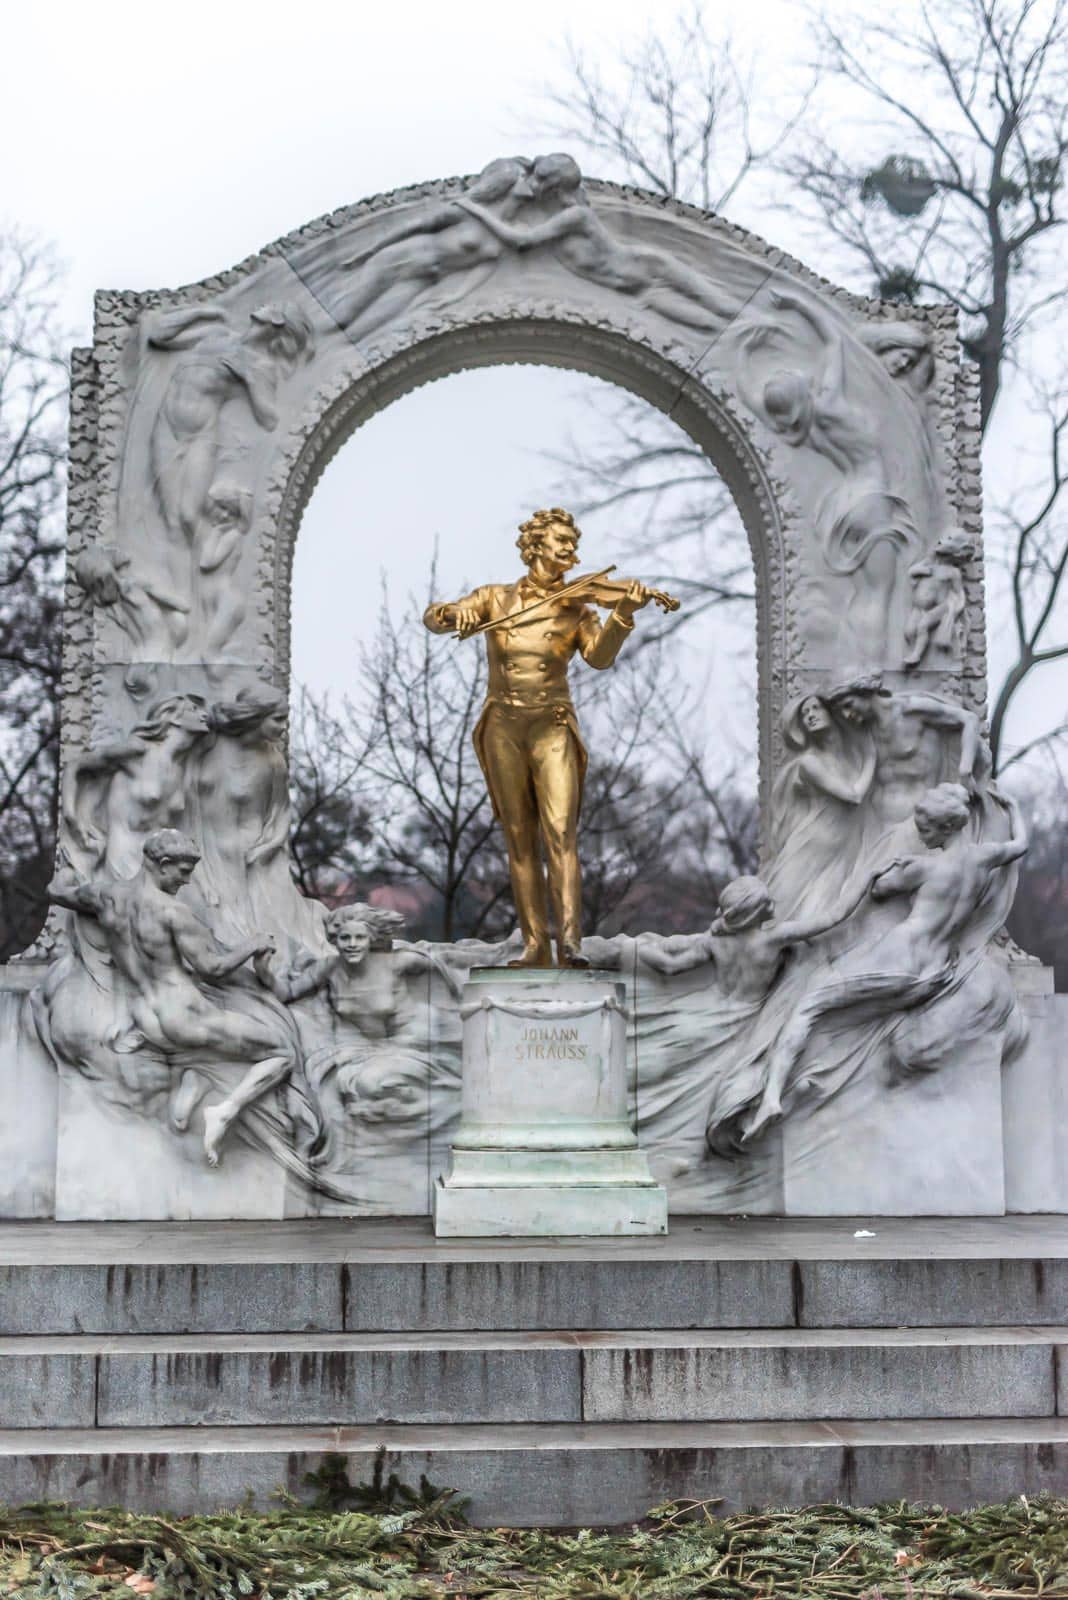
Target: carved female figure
{"type": "Point", "coordinates": [863, 526]}
{"type": "Point", "coordinates": [589, 250]}
{"type": "Point", "coordinates": [115, 795]}
{"type": "Point", "coordinates": [228, 516]}
{"type": "Point", "coordinates": [242, 793]}
{"type": "Point", "coordinates": [363, 982]}
{"type": "Point", "coordinates": [904, 349]}
{"type": "Point", "coordinates": [438, 242]}
{"type": "Point", "coordinates": [216, 365]}
{"type": "Point", "coordinates": [816, 822]}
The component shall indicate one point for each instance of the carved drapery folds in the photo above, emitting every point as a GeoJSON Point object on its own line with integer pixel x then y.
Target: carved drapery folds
{"type": "Point", "coordinates": [201, 420]}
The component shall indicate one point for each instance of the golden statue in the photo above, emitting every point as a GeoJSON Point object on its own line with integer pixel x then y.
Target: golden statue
{"type": "Point", "coordinates": [527, 737]}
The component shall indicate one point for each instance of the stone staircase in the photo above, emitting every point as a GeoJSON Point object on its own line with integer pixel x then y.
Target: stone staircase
{"type": "Point", "coordinates": [180, 1366]}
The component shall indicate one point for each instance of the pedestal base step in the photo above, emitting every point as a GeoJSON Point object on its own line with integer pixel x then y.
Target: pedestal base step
{"type": "Point", "coordinates": [515, 1211]}
{"type": "Point", "coordinates": [550, 1474]}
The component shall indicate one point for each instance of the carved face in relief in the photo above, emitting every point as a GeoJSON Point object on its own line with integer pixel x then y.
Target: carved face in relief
{"type": "Point", "coordinates": [815, 718]}
{"type": "Point", "coordinates": [855, 708]}
{"type": "Point", "coordinates": [170, 859]}
{"type": "Point", "coordinates": [351, 938]}
{"type": "Point", "coordinates": [274, 726]}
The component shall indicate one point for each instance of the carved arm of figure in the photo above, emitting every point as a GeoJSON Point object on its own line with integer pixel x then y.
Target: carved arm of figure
{"type": "Point", "coordinates": [75, 893]}
{"type": "Point", "coordinates": [828, 777]}
{"type": "Point", "coordinates": [458, 616]}
{"type": "Point", "coordinates": [944, 714]}
{"type": "Point", "coordinates": [678, 952]}
{"type": "Point", "coordinates": [1012, 848]}
{"type": "Point", "coordinates": [179, 329]}
{"type": "Point", "coordinates": [570, 220]}
{"type": "Point", "coordinates": [100, 763]}
{"type": "Point", "coordinates": [799, 929]}
{"type": "Point", "coordinates": [412, 958]}
{"type": "Point", "coordinates": [295, 985]}
{"type": "Point", "coordinates": [261, 386]}
{"type": "Point", "coordinates": [201, 951]}
{"type": "Point", "coordinates": [899, 877]}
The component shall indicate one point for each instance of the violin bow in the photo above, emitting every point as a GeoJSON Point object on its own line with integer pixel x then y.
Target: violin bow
{"type": "Point", "coordinates": [546, 599]}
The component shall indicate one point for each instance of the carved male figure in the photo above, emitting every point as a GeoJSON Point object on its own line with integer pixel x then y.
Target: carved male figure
{"type": "Point", "coordinates": [910, 736]}
{"type": "Point", "coordinates": [527, 738]}
{"type": "Point", "coordinates": [167, 955]}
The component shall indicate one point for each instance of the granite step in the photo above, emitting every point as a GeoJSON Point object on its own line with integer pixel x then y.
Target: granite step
{"type": "Point", "coordinates": [373, 1276]}
{"type": "Point", "coordinates": [557, 1376]}
{"type": "Point", "coordinates": [552, 1473]}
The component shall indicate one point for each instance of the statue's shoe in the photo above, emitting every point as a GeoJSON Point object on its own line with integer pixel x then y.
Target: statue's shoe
{"type": "Point", "coordinates": [571, 956]}
{"type": "Point", "coordinates": [534, 955]}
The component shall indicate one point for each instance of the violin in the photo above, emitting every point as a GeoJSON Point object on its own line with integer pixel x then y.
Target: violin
{"type": "Point", "coordinates": [596, 587]}
{"type": "Point", "coordinates": [601, 590]}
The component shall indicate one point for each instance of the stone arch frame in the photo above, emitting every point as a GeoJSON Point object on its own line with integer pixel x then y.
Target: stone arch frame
{"type": "Point", "coordinates": [708, 417]}
{"type": "Point", "coordinates": [530, 309]}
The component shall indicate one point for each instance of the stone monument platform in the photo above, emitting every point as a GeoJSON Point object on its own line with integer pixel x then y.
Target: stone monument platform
{"type": "Point", "coordinates": [545, 1144]}
{"type": "Point", "coordinates": [178, 1366]}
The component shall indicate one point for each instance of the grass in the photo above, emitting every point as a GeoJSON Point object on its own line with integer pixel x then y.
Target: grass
{"type": "Point", "coordinates": [384, 1541]}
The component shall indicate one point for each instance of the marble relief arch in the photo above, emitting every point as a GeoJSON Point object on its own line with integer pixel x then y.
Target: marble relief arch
{"type": "Point", "coordinates": [201, 420]}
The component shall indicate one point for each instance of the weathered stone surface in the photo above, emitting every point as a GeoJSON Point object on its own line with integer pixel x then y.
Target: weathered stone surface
{"type": "Point", "coordinates": [606, 1474]}
{"type": "Point", "coordinates": [570, 1294]}
{"type": "Point", "coordinates": [843, 1294]}
{"type": "Point", "coordinates": [842, 1377]}
{"type": "Point", "coordinates": [47, 1391]}
{"type": "Point", "coordinates": [179, 1388]}
{"type": "Point", "coordinates": [170, 1297]}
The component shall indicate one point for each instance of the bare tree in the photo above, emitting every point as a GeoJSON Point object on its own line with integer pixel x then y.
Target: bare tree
{"type": "Point", "coordinates": [332, 838]}
{"type": "Point", "coordinates": [677, 112]}
{"type": "Point", "coordinates": [970, 107]}
{"type": "Point", "coordinates": [432, 816]}
{"type": "Point", "coordinates": [33, 387]}
{"type": "Point", "coordinates": [952, 190]}
{"type": "Point", "coordinates": [941, 179]}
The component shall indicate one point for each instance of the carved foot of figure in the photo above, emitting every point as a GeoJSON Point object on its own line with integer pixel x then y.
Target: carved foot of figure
{"type": "Point", "coordinates": [571, 956]}
{"type": "Point", "coordinates": [534, 955]}
{"type": "Point", "coordinates": [216, 1122]}
{"type": "Point", "coordinates": [186, 1098]}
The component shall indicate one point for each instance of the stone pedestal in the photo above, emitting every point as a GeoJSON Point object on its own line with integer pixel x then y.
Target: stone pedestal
{"type": "Point", "coordinates": [545, 1143]}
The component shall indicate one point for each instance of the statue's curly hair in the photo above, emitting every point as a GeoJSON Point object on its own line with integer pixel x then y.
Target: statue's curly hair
{"type": "Point", "coordinates": [532, 532]}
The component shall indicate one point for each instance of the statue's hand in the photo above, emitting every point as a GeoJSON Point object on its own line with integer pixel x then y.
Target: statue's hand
{"type": "Point", "coordinates": [636, 596]}
{"type": "Point", "coordinates": [465, 619]}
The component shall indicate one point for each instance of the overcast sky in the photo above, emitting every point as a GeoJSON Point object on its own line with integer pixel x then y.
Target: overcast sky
{"type": "Point", "coordinates": [157, 144]}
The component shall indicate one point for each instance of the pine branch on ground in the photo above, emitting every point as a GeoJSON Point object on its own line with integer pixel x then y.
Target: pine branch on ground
{"type": "Point", "coordinates": [408, 1544]}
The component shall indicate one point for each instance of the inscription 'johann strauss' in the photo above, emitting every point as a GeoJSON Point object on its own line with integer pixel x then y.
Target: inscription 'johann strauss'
{"type": "Point", "coordinates": [550, 1044]}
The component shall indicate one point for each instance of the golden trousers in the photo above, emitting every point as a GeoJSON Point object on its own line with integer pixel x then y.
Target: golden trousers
{"type": "Point", "coordinates": [534, 764]}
